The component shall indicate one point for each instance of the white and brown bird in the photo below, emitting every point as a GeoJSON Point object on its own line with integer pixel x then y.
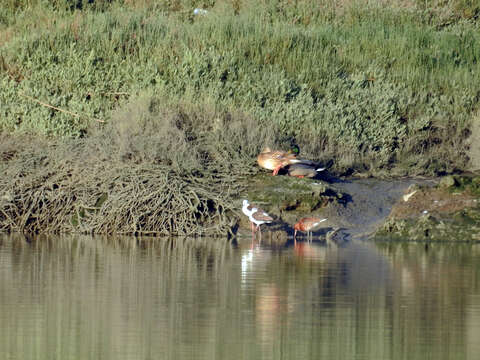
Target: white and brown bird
{"type": "Point", "coordinates": [256, 216]}
{"type": "Point", "coordinates": [307, 224]}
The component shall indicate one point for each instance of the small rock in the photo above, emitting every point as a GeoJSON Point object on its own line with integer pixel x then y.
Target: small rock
{"type": "Point", "coordinates": [448, 181]}
{"type": "Point", "coordinates": [333, 235]}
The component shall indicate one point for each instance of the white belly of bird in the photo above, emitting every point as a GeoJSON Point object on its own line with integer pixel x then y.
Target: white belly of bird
{"type": "Point", "coordinates": [257, 222]}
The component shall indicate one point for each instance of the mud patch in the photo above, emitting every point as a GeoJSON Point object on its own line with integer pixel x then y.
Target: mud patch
{"type": "Point", "coordinates": [288, 199]}
{"type": "Point", "coordinates": [449, 211]}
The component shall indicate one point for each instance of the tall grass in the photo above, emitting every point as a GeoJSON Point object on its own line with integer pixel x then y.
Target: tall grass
{"type": "Point", "coordinates": [387, 82]}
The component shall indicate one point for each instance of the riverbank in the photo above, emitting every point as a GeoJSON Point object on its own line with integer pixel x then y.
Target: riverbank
{"type": "Point", "coordinates": [99, 185]}
{"type": "Point", "coordinates": [111, 183]}
{"type": "Point", "coordinates": [448, 211]}
{"type": "Point", "coordinates": [144, 117]}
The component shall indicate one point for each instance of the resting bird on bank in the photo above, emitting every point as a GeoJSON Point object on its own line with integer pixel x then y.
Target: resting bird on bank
{"type": "Point", "coordinates": [306, 225]}
{"type": "Point", "coordinates": [302, 170]}
{"type": "Point", "coordinates": [276, 159]}
{"type": "Point", "coordinates": [256, 216]}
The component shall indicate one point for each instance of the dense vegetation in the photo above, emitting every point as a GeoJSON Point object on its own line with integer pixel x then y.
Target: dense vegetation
{"type": "Point", "coordinates": [385, 87]}
{"type": "Point", "coordinates": [369, 83]}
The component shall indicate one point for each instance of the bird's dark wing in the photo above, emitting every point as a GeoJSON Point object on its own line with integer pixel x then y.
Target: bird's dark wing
{"type": "Point", "coordinates": [261, 215]}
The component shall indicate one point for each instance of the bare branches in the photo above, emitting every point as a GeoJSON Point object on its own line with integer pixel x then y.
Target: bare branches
{"type": "Point", "coordinates": [121, 199]}
{"type": "Point", "coordinates": [58, 109]}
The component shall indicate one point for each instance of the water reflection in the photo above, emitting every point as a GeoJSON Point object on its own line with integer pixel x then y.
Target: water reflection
{"type": "Point", "coordinates": [125, 298]}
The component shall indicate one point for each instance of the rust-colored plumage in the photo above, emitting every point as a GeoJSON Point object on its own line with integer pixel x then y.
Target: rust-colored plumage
{"type": "Point", "coordinates": [307, 224]}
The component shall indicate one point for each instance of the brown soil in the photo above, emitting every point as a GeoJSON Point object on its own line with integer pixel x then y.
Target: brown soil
{"type": "Point", "coordinates": [449, 211]}
{"type": "Point", "coordinates": [433, 201]}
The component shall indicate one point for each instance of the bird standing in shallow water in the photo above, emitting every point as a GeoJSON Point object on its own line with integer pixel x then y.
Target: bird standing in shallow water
{"type": "Point", "coordinates": [306, 225]}
{"type": "Point", "coordinates": [256, 216]}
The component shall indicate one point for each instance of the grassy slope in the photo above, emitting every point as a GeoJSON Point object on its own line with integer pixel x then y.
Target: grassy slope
{"type": "Point", "coordinates": [369, 85]}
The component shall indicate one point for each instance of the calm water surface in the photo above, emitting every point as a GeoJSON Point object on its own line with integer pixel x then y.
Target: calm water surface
{"type": "Point", "coordinates": [80, 297]}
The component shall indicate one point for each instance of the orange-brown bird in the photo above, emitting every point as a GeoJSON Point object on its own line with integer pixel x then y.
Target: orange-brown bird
{"type": "Point", "coordinates": [276, 159]}
{"type": "Point", "coordinates": [306, 225]}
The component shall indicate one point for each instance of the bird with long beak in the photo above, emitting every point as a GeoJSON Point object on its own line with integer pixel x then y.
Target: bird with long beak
{"type": "Point", "coordinates": [276, 159]}
{"type": "Point", "coordinates": [256, 216]}
{"type": "Point", "coordinates": [307, 224]}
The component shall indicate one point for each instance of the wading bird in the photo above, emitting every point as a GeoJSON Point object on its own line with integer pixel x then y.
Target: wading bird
{"type": "Point", "coordinates": [306, 225]}
{"type": "Point", "coordinates": [256, 216]}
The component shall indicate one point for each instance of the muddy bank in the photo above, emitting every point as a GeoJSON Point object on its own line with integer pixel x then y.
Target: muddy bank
{"type": "Point", "coordinates": [287, 199]}
{"type": "Point", "coordinates": [442, 209]}
{"type": "Point", "coordinates": [102, 186]}
{"type": "Point", "coordinates": [354, 207]}
{"type": "Point", "coordinates": [447, 211]}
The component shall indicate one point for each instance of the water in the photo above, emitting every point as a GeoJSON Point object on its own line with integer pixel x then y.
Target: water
{"type": "Point", "coordinates": [78, 297]}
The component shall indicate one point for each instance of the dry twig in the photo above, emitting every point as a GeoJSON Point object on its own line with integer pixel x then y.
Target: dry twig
{"type": "Point", "coordinates": [57, 109]}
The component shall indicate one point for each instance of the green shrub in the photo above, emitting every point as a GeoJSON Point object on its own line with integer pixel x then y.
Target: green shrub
{"type": "Point", "coordinates": [371, 83]}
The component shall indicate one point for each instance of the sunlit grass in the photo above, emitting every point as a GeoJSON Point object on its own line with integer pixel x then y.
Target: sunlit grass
{"type": "Point", "coordinates": [377, 79]}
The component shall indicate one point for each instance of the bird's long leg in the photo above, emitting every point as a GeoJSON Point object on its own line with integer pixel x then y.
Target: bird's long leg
{"type": "Point", "coordinates": [295, 237]}
{"type": "Point", "coordinates": [253, 235]}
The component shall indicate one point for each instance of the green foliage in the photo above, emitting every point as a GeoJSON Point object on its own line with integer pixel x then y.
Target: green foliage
{"type": "Point", "coordinates": [185, 137]}
{"type": "Point", "coordinates": [368, 85]}
{"type": "Point", "coordinates": [465, 183]}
